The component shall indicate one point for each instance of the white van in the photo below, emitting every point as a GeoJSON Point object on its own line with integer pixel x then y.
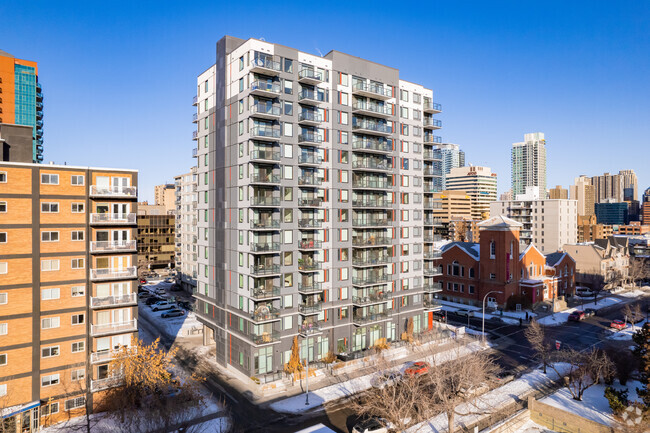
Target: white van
{"type": "Point", "coordinates": [584, 291]}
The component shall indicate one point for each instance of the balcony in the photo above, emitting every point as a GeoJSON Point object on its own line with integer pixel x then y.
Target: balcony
{"type": "Point", "coordinates": [195, 153]}
{"type": "Point", "coordinates": [370, 280]}
{"type": "Point", "coordinates": [432, 288]}
{"type": "Point", "coordinates": [309, 244]}
{"type": "Point", "coordinates": [265, 65]}
{"type": "Point", "coordinates": [432, 221]}
{"type": "Point", "coordinates": [265, 313]}
{"type": "Point", "coordinates": [310, 202]}
{"type": "Point", "coordinates": [195, 100]}
{"type": "Point", "coordinates": [113, 191]}
{"type": "Point", "coordinates": [432, 171]}
{"type": "Point", "coordinates": [371, 183]}
{"type": "Point", "coordinates": [310, 288]}
{"type": "Point", "coordinates": [265, 178]}
{"type": "Point", "coordinates": [314, 308]}
{"type": "Point", "coordinates": [371, 298]}
{"type": "Point", "coordinates": [310, 117]}
{"type": "Point", "coordinates": [432, 124]}
{"type": "Point", "coordinates": [432, 255]}
{"type": "Point", "coordinates": [267, 201]}
{"type": "Point", "coordinates": [310, 138]}
{"type": "Point", "coordinates": [309, 266]}
{"type": "Point", "coordinates": [432, 238]}
{"type": "Point", "coordinates": [312, 98]}
{"type": "Point", "coordinates": [310, 76]}
{"type": "Point", "coordinates": [265, 338]}
{"type": "Point", "coordinates": [265, 247]}
{"type": "Point", "coordinates": [371, 261]}
{"type": "Point", "coordinates": [432, 139]}
{"type": "Point", "coordinates": [431, 304]}
{"type": "Point", "coordinates": [369, 144]}
{"type": "Point", "coordinates": [265, 88]}
{"type": "Point", "coordinates": [372, 91]}
{"type": "Point", "coordinates": [265, 293]}
{"type": "Point", "coordinates": [98, 247]}
{"type": "Point", "coordinates": [373, 317]}
{"type": "Point", "coordinates": [432, 271]}
{"type": "Point", "coordinates": [432, 107]}
{"type": "Point", "coordinates": [310, 159]}
{"type": "Point", "coordinates": [113, 274]}
{"type": "Point", "coordinates": [310, 180]}
{"type": "Point", "coordinates": [369, 109]}
{"type": "Point", "coordinates": [373, 164]}
{"type": "Point", "coordinates": [114, 328]}
{"type": "Point", "coordinates": [368, 127]}
{"type": "Point", "coordinates": [374, 203]}
{"type": "Point", "coordinates": [265, 155]}
{"type": "Point", "coordinates": [371, 241]}
{"type": "Point", "coordinates": [114, 301]}
{"type": "Point", "coordinates": [371, 222]}
{"type": "Point", "coordinates": [102, 384]}
{"type": "Point", "coordinates": [266, 132]}
{"type": "Point", "coordinates": [195, 118]}
{"type": "Point", "coordinates": [103, 356]}
{"type": "Point", "coordinates": [266, 224]}
{"type": "Point", "coordinates": [309, 328]}
{"type": "Point", "coordinates": [309, 223]}
{"type": "Point", "coordinates": [265, 269]}
{"type": "Point", "coordinates": [266, 111]}
{"type": "Point", "coordinates": [195, 135]}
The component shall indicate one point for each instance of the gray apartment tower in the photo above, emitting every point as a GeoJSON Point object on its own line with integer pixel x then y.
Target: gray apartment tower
{"type": "Point", "coordinates": [315, 178]}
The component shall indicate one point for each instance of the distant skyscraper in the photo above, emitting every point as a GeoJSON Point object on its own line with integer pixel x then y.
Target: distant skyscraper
{"type": "Point", "coordinates": [583, 191]}
{"type": "Point", "coordinates": [612, 186]}
{"type": "Point", "coordinates": [452, 157]}
{"type": "Point", "coordinates": [21, 99]}
{"type": "Point", "coordinates": [646, 207]}
{"type": "Point", "coordinates": [558, 193]}
{"type": "Point", "coordinates": [479, 183]}
{"type": "Point", "coordinates": [529, 164]}
{"type": "Point", "coordinates": [165, 195]}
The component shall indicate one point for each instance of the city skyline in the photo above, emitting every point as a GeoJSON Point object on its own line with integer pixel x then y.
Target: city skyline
{"type": "Point", "coordinates": [480, 74]}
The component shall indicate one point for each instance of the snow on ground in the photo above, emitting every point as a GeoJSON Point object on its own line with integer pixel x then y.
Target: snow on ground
{"type": "Point", "coordinates": [561, 317]}
{"type": "Point", "coordinates": [510, 317]}
{"type": "Point", "coordinates": [216, 425]}
{"type": "Point", "coordinates": [171, 327]}
{"type": "Point", "coordinates": [625, 333]}
{"type": "Point", "coordinates": [594, 405]}
{"type": "Point", "coordinates": [296, 404]}
{"type": "Point", "coordinates": [491, 401]}
{"type": "Point", "coordinates": [636, 293]}
{"type": "Point", "coordinates": [532, 427]}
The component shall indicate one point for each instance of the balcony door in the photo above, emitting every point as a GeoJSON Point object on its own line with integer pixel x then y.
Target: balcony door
{"type": "Point", "coordinates": [120, 236]}
{"type": "Point", "coordinates": [120, 289]}
{"type": "Point", "coordinates": [103, 290]}
{"type": "Point", "coordinates": [121, 316]}
{"type": "Point", "coordinates": [120, 262]}
{"type": "Point", "coordinates": [120, 183]}
{"type": "Point", "coordinates": [120, 209]}
{"type": "Point", "coordinates": [121, 340]}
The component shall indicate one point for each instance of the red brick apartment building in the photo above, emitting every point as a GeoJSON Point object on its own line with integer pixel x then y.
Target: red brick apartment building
{"type": "Point", "coordinates": [470, 271]}
{"type": "Point", "coordinates": [67, 287]}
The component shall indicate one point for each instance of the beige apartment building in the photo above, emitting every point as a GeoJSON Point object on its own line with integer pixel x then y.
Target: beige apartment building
{"type": "Point", "coordinates": [165, 195]}
{"type": "Point", "coordinates": [479, 183]}
{"type": "Point", "coordinates": [603, 257]}
{"type": "Point", "coordinates": [454, 205]}
{"type": "Point", "coordinates": [585, 194]}
{"type": "Point", "coordinates": [558, 193]}
{"type": "Point", "coordinates": [589, 230]}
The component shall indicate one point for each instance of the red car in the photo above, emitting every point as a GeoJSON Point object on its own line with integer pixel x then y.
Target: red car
{"type": "Point", "coordinates": [143, 281]}
{"type": "Point", "coordinates": [617, 324]}
{"type": "Point", "coordinates": [576, 316]}
{"type": "Point", "coordinates": [417, 369]}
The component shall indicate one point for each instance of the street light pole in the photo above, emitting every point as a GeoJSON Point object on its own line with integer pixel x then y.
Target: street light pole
{"type": "Point", "coordinates": [483, 317]}
{"type": "Point", "coordinates": [307, 379]}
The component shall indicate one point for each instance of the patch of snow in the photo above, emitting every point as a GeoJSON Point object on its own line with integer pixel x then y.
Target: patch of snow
{"type": "Point", "coordinates": [561, 317]}
{"type": "Point", "coordinates": [594, 405]}
{"type": "Point", "coordinates": [625, 333]}
{"type": "Point", "coordinates": [636, 293]}
{"type": "Point", "coordinates": [532, 427]}
{"type": "Point", "coordinates": [318, 428]}
{"type": "Point", "coordinates": [216, 425]}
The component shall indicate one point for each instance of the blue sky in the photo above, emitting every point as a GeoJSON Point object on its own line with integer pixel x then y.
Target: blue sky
{"type": "Point", "coordinates": [119, 76]}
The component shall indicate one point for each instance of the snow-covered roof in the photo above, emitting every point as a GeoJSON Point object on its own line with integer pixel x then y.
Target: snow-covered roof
{"type": "Point", "coordinates": [468, 247]}
{"type": "Point", "coordinates": [499, 222]}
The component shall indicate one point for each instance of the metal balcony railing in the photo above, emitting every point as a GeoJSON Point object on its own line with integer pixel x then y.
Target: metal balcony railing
{"type": "Point", "coordinates": [113, 273]}
{"type": "Point", "coordinates": [310, 287]}
{"type": "Point", "coordinates": [372, 317]}
{"type": "Point", "coordinates": [113, 301]}
{"type": "Point", "coordinates": [265, 293]}
{"type": "Point", "coordinates": [109, 382]}
{"type": "Point", "coordinates": [114, 328]}
{"type": "Point", "coordinates": [112, 246]}
{"type": "Point", "coordinates": [113, 191]}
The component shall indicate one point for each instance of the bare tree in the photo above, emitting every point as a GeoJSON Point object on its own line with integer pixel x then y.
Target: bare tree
{"type": "Point", "coordinates": [595, 281]}
{"type": "Point", "coordinates": [633, 314]}
{"type": "Point", "coordinates": [639, 270]}
{"type": "Point", "coordinates": [537, 338]}
{"type": "Point", "coordinates": [586, 369]}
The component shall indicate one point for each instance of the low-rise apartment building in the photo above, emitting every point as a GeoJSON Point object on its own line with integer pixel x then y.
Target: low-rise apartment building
{"type": "Point", "coordinates": [589, 230]}
{"type": "Point", "coordinates": [603, 258]}
{"type": "Point", "coordinates": [67, 286]}
{"type": "Point", "coordinates": [156, 228]}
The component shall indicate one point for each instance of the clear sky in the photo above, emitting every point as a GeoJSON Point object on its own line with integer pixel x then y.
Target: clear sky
{"type": "Point", "coordinates": [119, 76]}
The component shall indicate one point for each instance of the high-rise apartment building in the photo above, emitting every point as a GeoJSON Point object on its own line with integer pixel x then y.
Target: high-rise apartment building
{"type": "Point", "coordinates": [165, 195]}
{"type": "Point", "coordinates": [645, 210]}
{"type": "Point", "coordinates": [558, 193]}
{"type": "Point", "coordinates": [613, 186]}
{"type": "Point", "coordinates": [584, 192]}
{"type": "Point", "coordinates": [67, 286]}
{"type": "Point", "coordinates": [529, 164]}
{"type": "Point", "coordinates": [451, 157]}
{"type": "Point", "coordinates": [548, 224]}
{"type": "Point", "coordinates": [186, 233]}
{"type": "Point", "coordinates": [479, 183]}
{"type": "Point", "coordinates": [312, 174]}
{"type": "Point", "coordinates": [21, 99]}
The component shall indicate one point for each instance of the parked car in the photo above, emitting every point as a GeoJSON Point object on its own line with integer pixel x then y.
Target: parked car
{"type": "Point", "coordinates": [144, 295]}
{"type": "Point", "coordinates": [465, 313]}
{"type": "Point", "coordinates": [169, 280]}
{"type": "Point", "coordinates": [386, 379]}
{"type": "Point", "coordinates": [417, 369]}
{"type": "Point", "coordinates": [176, 288]}
{"type": "Point", "coordinates": [186, 304]}
{"type": "Point", "coordinates": [160, 291]}
{"type": "Point", "coordinates": [174, 312]}
{"type": "Point", "coordinates": [590, 312]}
{"type": "Point", "coordinates": [439, 316]}
{"type": "Point", "coordinates": [143, 281]}
{"type": "Point", "coordinates": [371, 425]}
{"type": "Point", "coordinates": [162, 305]}
{"type": "Point", "coordinates": [152, 300]}
{"type": "Point", "coordinates": [617, 324]}
{"type": "Point", "coordinates": [576, 316]}
{"type": "Point", "coordinates": [584, 291]}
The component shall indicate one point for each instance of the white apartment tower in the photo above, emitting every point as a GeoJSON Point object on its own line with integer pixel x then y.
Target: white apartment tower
{"type": "Point", "coordinates": [186, 229]}
{"type": "Point", "coordinates": [312, 209]}
{"type": "Point", "coordinates": [529, 164]}
{"type": "Point", "coordinates": [451, 157]}
{"type": "Point", "coordinates": [479, 183]}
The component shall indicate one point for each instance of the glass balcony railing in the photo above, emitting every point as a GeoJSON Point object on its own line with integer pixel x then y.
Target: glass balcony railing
{"type": "Point", "coordinates": [265, 178]}
{"type": "Point", "coordinates": [371, 317]}
{"type": "Point", "coordinates": [309, 244]}
{"type": "Point", "coordinates": [432, 270]}
{"type": "Point", "coordinates": [265, 224]}
{"type": "Point", "coordinates": [431, 139]}
{"type": "Point", "coordinates": [310, 180]}
{"type": "Point", "coordinates": [310, 116]}
{"type": "Point", "coordinates": [309, 95]}
{"type": "Point", "coordinates": [266, 293]}
{"type": "Point", "coordinates": [432, 255]}
{"type": "Point", "coordinates": [375, 90]}
{"type": "Point", "coordinates": [383, 110]}
{"type": "Point", "coordinates": [370, 241]}
{"type": "Point", "coordinates": [307, 328]}
{"type": "Point", "coordinates": [371, 144]}
{"type": "Point", "coordinates": [263, 247]}
{"type": "Point", "coordinates": [266, 109]}
{"type": "Point", "coordinates": [370, 279]}
{"type": "Point", "coordinates": [371, 222]}
{"type": "Point", "coordinates": [371, 202]}
{"type": "Point", "coordinates": [309, 202]}
{"type": "Point", "coordinates": [370, 298]}
{"type": "Point", "coordinates": [310, 137]}
{"type": "Point", "coordinates": [264, 314]}
{"type": "Point", "coordinates": [371, 261]}
{"type": "Point", "coordinates": [310, 223]}
{"type": "Point", "coordinates": [371, 183]}
{"type": "Point", "coordinates": [310, 308]}
{"type": "Point", "coordinates": [433, 123]}
{"type": "Point", "coordinates": [309, 265]}
{"type": "Point", "coordinates": [265, 337]}
{"type": "Point", "coordinates": [430, 106]}
{"type": "Point", "coordinates": [432, 287]}
{"type": "Point", "coordinates": [265, 201]}
{"type": "Point", "coordinates": [372, 126]}
{"type": "Point", "coordinates": [310, 159]}
{"type": "Point", "coordinates": [431, 304]}
{"type": "Point", "coordinates": [373, 164]}
{"type": "Point", "coordinates": [310, 74]}
{"type": "Point", "coordinates": [266, 63]}
{"type": "Point", "coordinates": [266, 154]}
{"type": "Point", "coordinates": [264, 269]}
{"type": "Point", "coordinates": [313, 287]}
{"type": "Point", "coordinates": [265, 132]}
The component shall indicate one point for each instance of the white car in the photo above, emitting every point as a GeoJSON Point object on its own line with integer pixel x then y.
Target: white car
{"type": "Point", "coordinates": [385, 379]}
{"type": "Point", "coordinates": [162, 305]}
{"type": "Point", "coordinates": [465, 313]}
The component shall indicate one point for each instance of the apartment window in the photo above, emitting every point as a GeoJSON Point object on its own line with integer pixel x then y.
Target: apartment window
{"type": "Point", "coordinates": [77, 208]}
{"type": "Point", "coordinates": [470, 290]}
{"type": "Point", "coordinates": [50, 322]}
{"type": "Point", "coordinates": [288, 108]}
{"type": "Point", "coordinates": [77, 235]}
{"type": "Point", "coordinates": [49, 179]}
{"type": "Point", "coordinates": [49, 207]}
{"type": "Point", "coordinates": [77, 263]}
{"type": "Point", "coordinates": [404, 95]}
{"type": "Point", "coordinates": [49, 294]}
{"type": "Point", "coordinates": [51, 379]}
{"type": "Point", "coordinates": [471, 272]}
{"type": "Point", "coordinates": [50, 409]}
{"type": "Point", "coordinates": [241, 63]}
{"type": "Point", "coordinates": [241, 84]}
{"type": "Point", "coordinates": [3, 359]}
{"type": "Point", "coordinates": [493, 249]}
{"type": "Point", "coordinates": [49, 236]}
{"type": "Point", "coordinates": [48, 352]}
{"type": "Point", "coordinates": [287, 301]}
{"type": "Point", "coordinates": [404, 112]}
{"type": "Point", "coordinates": [344, 118]}
{"type": "Point", "coordinates": [3, 267]}
{"type": "Point", "coordinates": [3, 329]}
{"type": "Point", "coordinates": [288, 129]}
{"type": "Point", "coordinates": [77, 180]}
{"type": "Point", "coordinates": [288, 87]}
{"type": "Point", "coordinates": [417, 115]}
{"type": "Point", "coordinates": [3, 206]}
{"type": "Point", "coordinates": [79, 346]}
{"type": "Point", "coordinates": [493, 276]}
{"type": "Point", "coordinates": [50, 265]}
{"type": "Point", "coordinates": [416, 98]}
{"type": "Point", "coordinates": [3, 237]}
{"type": "Point", "coordinates": [344, 99]}
{"type": "Point", "coordinates": [75, 403]}
{"type": "Point", "coordinates": [3, 177]}
{"type": "Point", "coordinates": [344, 138]}
{"type": "Point", "coordinates": [79, 374]}
{"type": "Point", "coordinates": [405, 129]}
{"type": "Point", "coordinates": [78, 319]}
